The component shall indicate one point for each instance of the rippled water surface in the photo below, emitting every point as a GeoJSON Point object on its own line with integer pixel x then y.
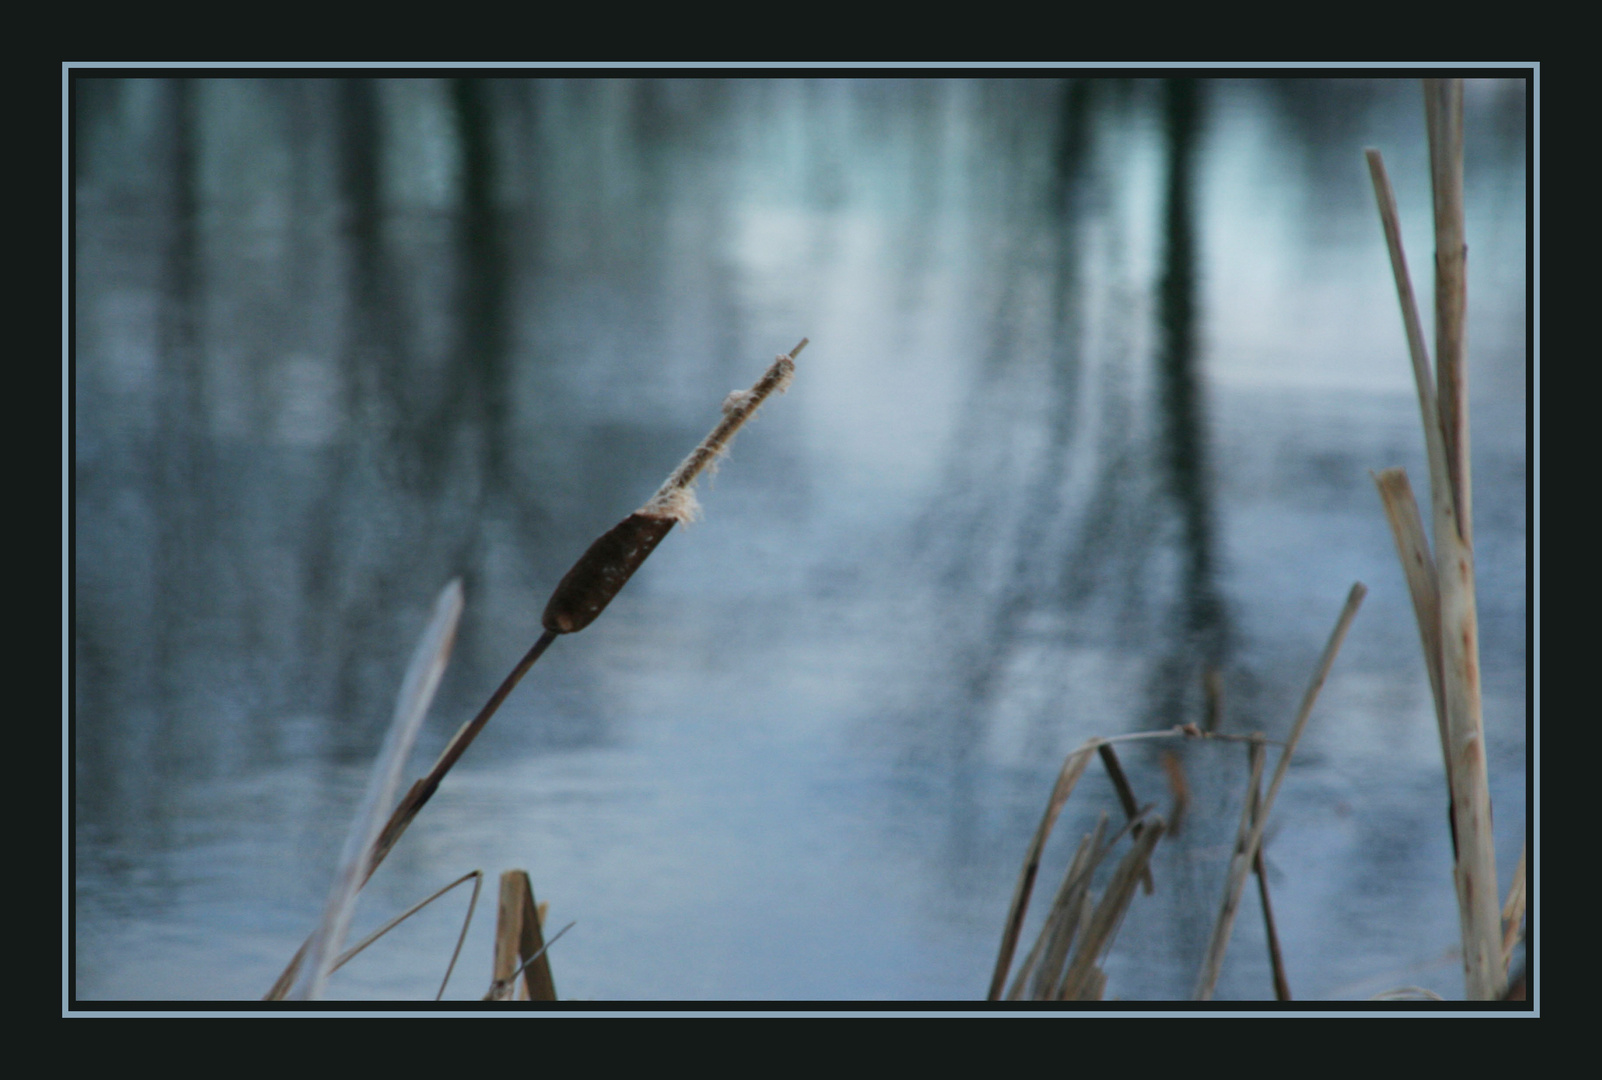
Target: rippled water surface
{"type": "Point", "coordinates": [1098, 373]}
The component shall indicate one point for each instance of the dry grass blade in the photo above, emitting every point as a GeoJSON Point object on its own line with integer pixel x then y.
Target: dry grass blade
{"type": "Point", "coordinates": [518, 938]}
{"type": "Point", "coordinates": [417, 691]}
{"type": "Point", "coordinates": [477, 877]}
{"type": "Point", "coordinates": [501, 989]}
{"type": "Point", "coordinates": [1073, 767]}
{"type": "Point", "coordinates": [1241, 861]}
{"type": "Point", "coordinates": [1062, 921]}
{"type": "Point", "coordinates": [1084, 980]}
{"type": "Point", "coordinates": [1276, 958]}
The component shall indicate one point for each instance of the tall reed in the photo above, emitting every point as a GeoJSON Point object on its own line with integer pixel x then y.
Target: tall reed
{"type": "Point", "coordinates": [1442, 583]}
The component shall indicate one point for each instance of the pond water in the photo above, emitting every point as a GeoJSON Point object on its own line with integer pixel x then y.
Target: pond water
{"type": "Point", "coordinates": [1098, 373]}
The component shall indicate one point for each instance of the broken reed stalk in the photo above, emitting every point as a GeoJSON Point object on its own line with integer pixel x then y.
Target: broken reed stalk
{"type": "Point", "coordinates": [1443, 403]}
{"type": "Point", "coordinates": [519, 937]}
{"type": "Point", "coordinates": [581, 596]}
{"type": "Point", "coordinates": [1418, 567]}
{"type": "Point", "coordinates": [1246, 846]}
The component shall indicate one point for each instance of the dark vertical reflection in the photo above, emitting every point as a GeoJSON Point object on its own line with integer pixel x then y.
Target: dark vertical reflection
{"type": "Point", "coordinates": [1003, 550]}
{"type": "Point", "coordinates": [349, 564]}
{"type": "Point", "coordinates": [182, 480]}
{"type": "Point", "coordinates": [1200, 611]}
{"type": "Point", "coordinates": [483, 388]}
{"type": "Point", "coordinates": [1196, 635]}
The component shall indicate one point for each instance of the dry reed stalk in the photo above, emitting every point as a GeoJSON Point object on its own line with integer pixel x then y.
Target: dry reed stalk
{"type": "Point", "coordinates": [1418, 566]}
{"type": "Point", "coordinates": [411, 705]}
{"type": "Point", "coordinates": [1249, 811]}
{"type": "Point", "coordinates": [1486, 978]}
{"type": "Point", "coordinates": [1084, 980]}
{"type": "Point", "coordinates": [1418, 353]}
{"type": "Point", "coordinates": [1252, 824]}
{"type": "Point", "coordinates": [1126, 798]}
{"type": "Point", "coordinates": [1073, 767]}
{"type": "Point", "coordinates": [518, 937]}
{"type": "Point", "coordinates": [1444, 409]}
{"type": "Point", "coordinates": [1276, 958]}
{"type": "Point", "coordinates": [1443, 116]}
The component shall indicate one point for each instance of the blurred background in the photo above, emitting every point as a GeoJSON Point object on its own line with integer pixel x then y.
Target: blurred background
{"type": "Point", "coordinates": [1098, 372]}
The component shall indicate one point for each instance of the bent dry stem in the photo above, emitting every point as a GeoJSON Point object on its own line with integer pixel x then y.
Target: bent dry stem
{"type": "Point", "coordinates": [580, 597]}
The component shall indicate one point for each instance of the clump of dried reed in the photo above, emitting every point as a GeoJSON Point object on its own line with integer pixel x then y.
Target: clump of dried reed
{"type": "Point", "coordinates": [582, 594]}
{"type": "Point", "coordinates": [1064, 963]}
{"type": "Point", "coordinates": [1441, 581]}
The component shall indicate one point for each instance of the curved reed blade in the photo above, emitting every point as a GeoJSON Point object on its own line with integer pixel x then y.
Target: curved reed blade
{"type": "Point", "coordinates": [411, 705]}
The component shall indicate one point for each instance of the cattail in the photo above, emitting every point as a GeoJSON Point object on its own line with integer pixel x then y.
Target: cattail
{"type": "Point", "coordinates": [580, 596]}
{"type": "Point", "coordinates": [601, 571]}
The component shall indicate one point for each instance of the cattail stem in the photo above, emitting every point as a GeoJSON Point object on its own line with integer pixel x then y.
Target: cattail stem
{"type": "Point", "coordinates": [424, 789]}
